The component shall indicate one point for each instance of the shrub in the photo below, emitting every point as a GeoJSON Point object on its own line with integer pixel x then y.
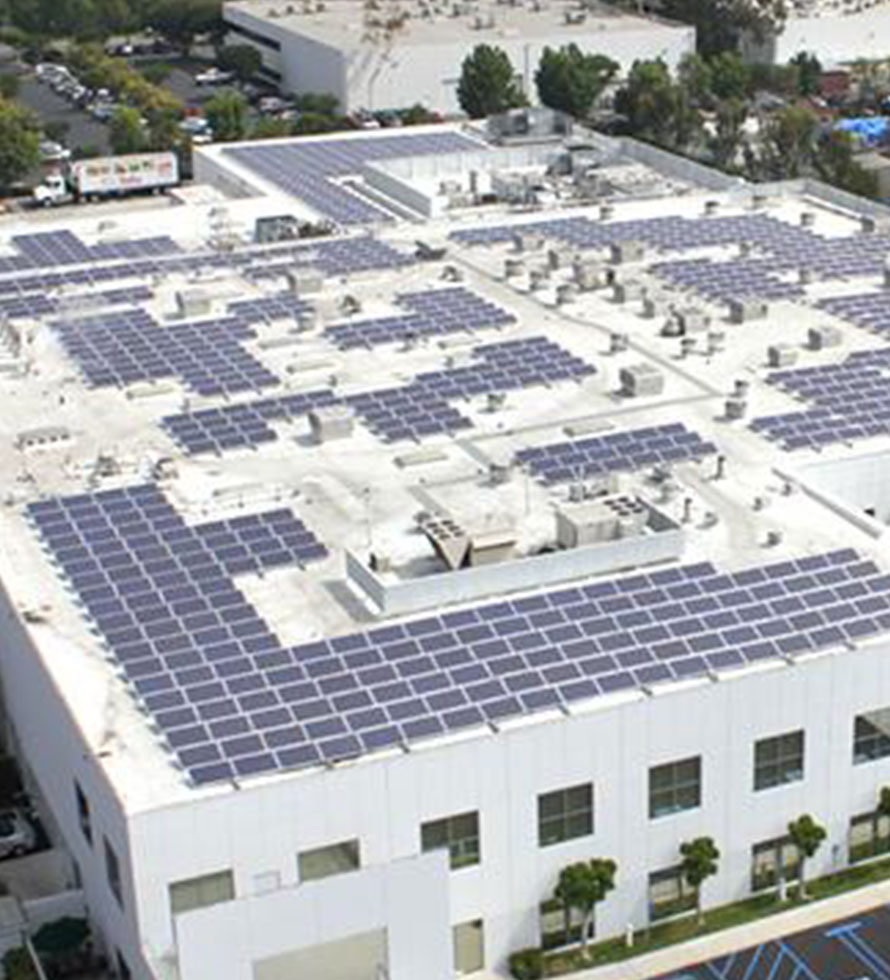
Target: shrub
{"type": "Point", "coordinates": [17, 965]}
{"type": "Point", "coordinates": [527, 964]}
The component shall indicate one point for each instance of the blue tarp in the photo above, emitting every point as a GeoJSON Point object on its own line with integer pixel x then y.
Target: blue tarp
{"type": "Point", "coordinates": [872, 130]}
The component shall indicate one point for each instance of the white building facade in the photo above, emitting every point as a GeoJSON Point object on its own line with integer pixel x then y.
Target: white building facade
{"type": "Point", "coordinates": [330, 52]}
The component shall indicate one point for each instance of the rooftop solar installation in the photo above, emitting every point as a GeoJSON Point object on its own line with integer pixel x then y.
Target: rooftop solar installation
{"type": "Point", "coordinates": [230, 700]}
{"type": "Point", "coordinates": [847, 402]}
{"type": "Point", "coordinates": [430, 313]}
{"type": "Point", "coordinates": [315, 171]}
{"type": "Point", "coordinates": [410, 411]}
{"type": "Point", "coordinates": [46, 249]}
{"type": "Point", "coordinates": [618, 452]}
{"type": "Point", "coordinates": [122, 348]}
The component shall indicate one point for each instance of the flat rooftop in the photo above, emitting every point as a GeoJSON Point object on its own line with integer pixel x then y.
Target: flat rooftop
{"type": "Point", "coordinates": [222, 459]}
{"type": "Point", "coordinates": [437, 23]}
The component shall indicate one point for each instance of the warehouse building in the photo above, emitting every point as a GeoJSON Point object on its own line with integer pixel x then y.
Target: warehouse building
{"type": "Point", "coordinates": [352, 588]}
{"type": "Point", "coordinates": [378, 61]}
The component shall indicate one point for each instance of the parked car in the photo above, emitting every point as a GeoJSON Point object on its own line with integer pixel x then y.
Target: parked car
{"type": "Point", "coordinates": [272, 103]}
{"type": "Point", "coordinates": [51, 152]}
{"type": "Point", "coordinates": [17, 836]}
{"type": "Point", "coordinates": [213, 76]}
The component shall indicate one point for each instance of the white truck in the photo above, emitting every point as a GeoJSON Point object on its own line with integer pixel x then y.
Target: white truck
{"type": "Point", "coordinates": [87, 180]}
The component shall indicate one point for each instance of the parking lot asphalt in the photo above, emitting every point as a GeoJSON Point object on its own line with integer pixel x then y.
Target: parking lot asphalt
{"type": "Point", "coordinates": [857, 948]}
{"type": "Point", "coordinates": [83, 130]}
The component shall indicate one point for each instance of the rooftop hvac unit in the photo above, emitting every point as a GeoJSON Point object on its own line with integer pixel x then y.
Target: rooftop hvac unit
{"type": "Point", "coordinates": [449, 540]}
{"type": "Point", "coordinates": [640, 380]}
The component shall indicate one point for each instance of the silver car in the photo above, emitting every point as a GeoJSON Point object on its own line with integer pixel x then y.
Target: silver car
{"type": "Point", "coordinates": [17, 836]}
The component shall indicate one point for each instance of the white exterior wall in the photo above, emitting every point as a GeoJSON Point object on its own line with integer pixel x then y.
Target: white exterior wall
{"type": "Point", "coordinates": [49, 740]}
{"type": "Point", "coordinates": [383, 802]}
{"type": "Point", "coordinates": [833, 39]}
{"type": "Point", "coordinates": [401, 74]}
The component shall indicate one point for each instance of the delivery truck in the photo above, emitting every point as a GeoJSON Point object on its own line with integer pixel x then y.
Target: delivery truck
{"type": "Point", "coordinates": [89, 180]}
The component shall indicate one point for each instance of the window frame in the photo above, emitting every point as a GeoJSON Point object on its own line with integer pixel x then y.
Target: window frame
{"type": "Point", "coordinates": [778, 849]}
{"type": "Point", "coordinates": [84, 812]}
{"type": "Point", "coordinates": [205, 881]}
{"type": "Point", "coordinates": [779, 760]}
{"type": "Point", "coordinates": [352, 843]}
{"type": "Point", "coordinates": [570, 819]}
{"type": "Point", "coordinates": [685, 901]}
{"type": "Point", "coordinates": [872, 745]}
{"type": "Point", "coordinates": [674, 787]}
{"type": "Point", "coordinates": [461, 850]}
{"type": "Point", "coordinates": [878, 844]}
{"type": "Point", "coordinates": [113, 872]}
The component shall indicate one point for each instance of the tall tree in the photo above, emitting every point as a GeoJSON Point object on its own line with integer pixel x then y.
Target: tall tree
{"type": "Point", "coordinates": [488, 83]}
{"type": "Point", "coordinates": [657, 108]}
{"type": "Point", "coordinates": [835, 162]}
{"type": "Point", "coordinates": [126, 133]}
{"type": "Point", "coordinates": [788, 142]}
{"type": "Point", "coordinates": [571, 81]}
{"type": "Point", "coordinates": [19, 143]}
{"type": "Point", "coordinates": [181, 21]}
{"type": "Point", "coordinates": [809, 71]}
{"type": "Point", "coordinates": [720, 24]}
{"type": "Point", "coordinates": [807, 837]}
{"type": "Point", "coordinates": [583, 886]}
{"type": "Point", "coordinates": [242, 60]}
{"type": "Point", "coordinates": [227, 114]}
{"type": "Point", "coordinates": [694, 74]}
{"type": "Point", "coordinates": [729, 132]}
{"type": "Point", "coordinates": [729, 76]}
{"type": "Point", "coordinates": [699, 863]}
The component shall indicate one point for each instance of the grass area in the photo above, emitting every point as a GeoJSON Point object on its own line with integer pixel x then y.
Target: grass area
{"type": "Point", "coordinates": [723, 917]}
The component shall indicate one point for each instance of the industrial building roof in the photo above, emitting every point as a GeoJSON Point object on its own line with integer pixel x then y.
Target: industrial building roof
{"type": "Point", "coordinates": [276, 506]}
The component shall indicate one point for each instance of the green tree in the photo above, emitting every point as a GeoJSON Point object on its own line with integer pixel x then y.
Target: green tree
{"type": "Point", "coordinates": [570, 80]}
{"type": "Point", "coordinates": [657, 108]}
{"type": "Point", "coordinates": [157, 72]}
{"type": "Point", "coordinates": [19, 143]}
{"type": "Point", "coordinates": [835, 163]}
{"type": "Point", "coordinates": [883, 807]}
{"type": "Point", "coordinates": [729, 132]}
{"type": "Point", "coordinates": [242, 60]}
{"type": "Point", "coordinates": [807, 837]}
{"type": "Point", "coordinates": [788, 142]}
{"type": "Point", "coordinates": [700, 857]}
{"type": "Point", "coordinates": [583, 886]}
{"type": "Point", "coordinates": [488, 83]}
{"type": "Point", "coordinates": [9, 86]}
{"type": "Point", "coordinates": [809, 71]}
{"type": "Point", "coordinates": [720, 24]}
{"type": "Point", "coordinates": [324, 102]}
{"type": "Point", "coordinates": [227, 114]}
{"type": "Point", "coordinates": [269, 127]}
{"type": "Point", "coordinates": [181, 21]}
{"type": "Point", "coordinates": [729, 76]}
{"type": "Point", "coordinates": [126, 132]}
{"type": "Point", "coordinates": [694, 74]}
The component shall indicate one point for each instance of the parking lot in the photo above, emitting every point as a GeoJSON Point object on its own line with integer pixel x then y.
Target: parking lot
{"type": "Point", "coordinates": [850, 949]}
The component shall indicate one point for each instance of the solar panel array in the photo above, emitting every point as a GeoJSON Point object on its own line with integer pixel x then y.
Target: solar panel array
{"type": "Point", "coordinates": [46, 249]}
{"type": "Point", "coordinates": [413, 411]}
{"type": "Point", "coordinates": [230, 700]}
{"type": "Point", "coordinates": [38, 305]}
{"type": "Point", "coordinates": [871, 311]}
{"type": "Point", "coordinates": [434, 313]}
{"type": "Point", "coordinates": [314, 171]}
{"type": "Point", "coordinates": [334, 257]}
{"type": "Point", "coordinates": [160, 595]}
{"type": "Point", "coordinates": [242, 426]}
{"type": "Point", "coordinates": [129, 346]}
{"type": "Point", "coordinates": [780, 247]}
{"type": "Point", "coordinates": [848, 401]}
{"type": "Point", "coordinates": [618, 452]}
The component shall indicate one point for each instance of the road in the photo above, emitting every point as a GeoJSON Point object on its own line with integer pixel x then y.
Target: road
{"type": "Point", "coordinates": [850, 949]}
{"type": "Point", "coordinates": [83, 130]}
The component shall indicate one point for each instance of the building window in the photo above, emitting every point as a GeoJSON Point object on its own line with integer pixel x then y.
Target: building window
{"type": "Point", "coordinates": [559, 926]}
{"type": "Point", "coordinates": [113, 873]}
{"type": "Point", "coordinates": [674, 786]}
{"type": "Point", "coordinates": [669, 894]}
{"type": "Point", "coordinates": [778, 760]}
{"type": "Point", "coordinates": [197, 893]}
{"type": "Point", "coordinates": [869, 836]}
{"type": "Point", "coordinates": [334, 859]}
{"type": "Point", "coordinates": [266, 42]}
{"type": "Point", "coordinates": [871, 736]}
{"type": "Point", "coordinates": [469, 947]}
{"type": "Point", "coordinates": [460, 834]}
{"type": "Point", "coordinates": [565, 814]}
{"type": "Point", "coordinates": [84, 817]}
{"type": "Point", "coordinates": [772, 859]}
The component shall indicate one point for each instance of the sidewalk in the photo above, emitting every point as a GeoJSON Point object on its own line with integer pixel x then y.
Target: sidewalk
{"type": "Point", "coordinates": [675, 958]}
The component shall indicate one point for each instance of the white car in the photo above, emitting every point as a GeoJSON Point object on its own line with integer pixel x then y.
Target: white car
{"type": "Point", "coordinates": [17, 836]}
{"type": "Point", "coordinates": [213, 76]}
{"type": "Point", "coordinates": [50, 151]}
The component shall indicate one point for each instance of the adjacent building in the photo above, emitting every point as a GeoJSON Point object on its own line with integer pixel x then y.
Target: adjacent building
{"type": "Point", "coordinates": [381, 59]}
